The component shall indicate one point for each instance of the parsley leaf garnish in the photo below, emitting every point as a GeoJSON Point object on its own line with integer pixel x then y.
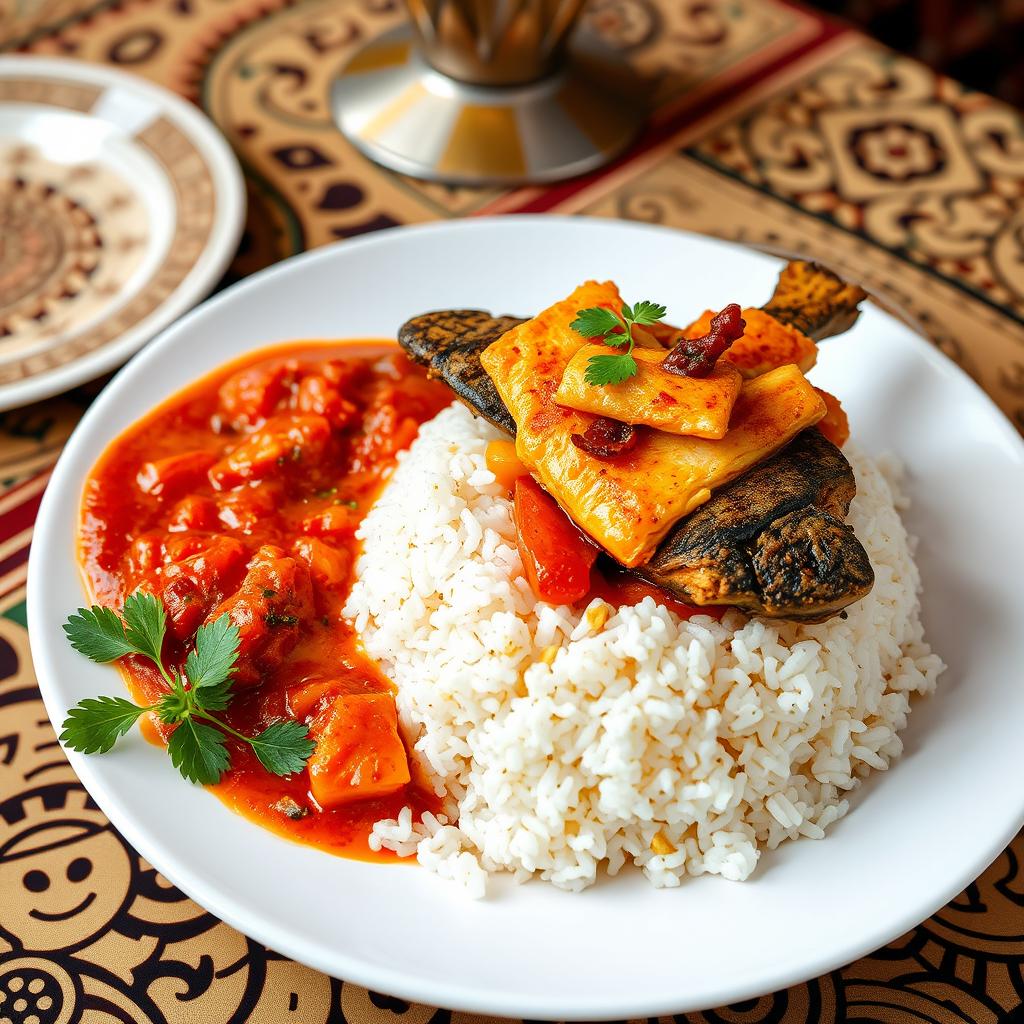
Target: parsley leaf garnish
{"type": "Point", "coordinates": [98, 633]}
{"type": "Point", "coordinates": [215, 654]}
{"type": "Point", "coordinates": [145, 625]}
{"type": "Point", "coordinates": [174, 705]}
{"type": "Point", "coordinates": [213, 696]}
{"type": "Point", "coordinates": [97, 723]}
{"type": "Point", "coordinates": [617, 330]}
{"type": "Point", "coordinates": [594, 322]}
{"type": "Point", "coordinates": [283, 748]}
{"type": "Point", "coordinates": [646, 313]}
{"type": "Point", "coordinates": [199, 752]}
{"type": "Point", "coordinates": [609, 369]}
{"type": "Point", "coordinates": [198, 745]}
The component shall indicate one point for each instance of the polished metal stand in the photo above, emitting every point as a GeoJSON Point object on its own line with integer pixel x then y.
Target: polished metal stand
{"type": "Point", "coordinates": [455, 100]}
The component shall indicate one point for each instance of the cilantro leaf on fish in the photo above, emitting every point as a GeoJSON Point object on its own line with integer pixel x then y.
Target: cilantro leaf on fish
{"type": "Point", "coordinates": [646, 313]}
{"type": "Point", "coordinates": [592, 323]}
{"type": "Point", "coordinates": [603, 370]}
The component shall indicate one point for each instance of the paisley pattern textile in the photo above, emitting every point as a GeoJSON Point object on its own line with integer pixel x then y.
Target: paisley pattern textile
{"type": "Point", "coordinates": [771, 127]}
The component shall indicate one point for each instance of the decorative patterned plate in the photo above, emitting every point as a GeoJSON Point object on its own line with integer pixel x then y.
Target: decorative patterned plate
{"type": "Point", "coordinates": [120, 207]}
{"type": "Point", "coordinates": [915, 836]}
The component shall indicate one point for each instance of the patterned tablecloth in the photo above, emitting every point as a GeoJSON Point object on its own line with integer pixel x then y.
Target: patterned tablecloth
{"type": "Point", "coordinates": [774, 128]}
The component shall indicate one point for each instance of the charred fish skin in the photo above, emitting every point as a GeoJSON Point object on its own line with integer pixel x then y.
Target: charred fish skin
{"type": "Point", "coordinates": [814, 300]}
{"type": "Point", "coordinates": [774, 541]}
{"type": "Point", "coordinates": [809, 566]}
{"type": "Point", "coordinates": [449, 343]}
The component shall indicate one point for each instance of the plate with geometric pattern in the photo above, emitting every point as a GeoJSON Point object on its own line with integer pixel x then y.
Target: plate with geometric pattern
{"type": "Point", "coordinates": [120, 207]}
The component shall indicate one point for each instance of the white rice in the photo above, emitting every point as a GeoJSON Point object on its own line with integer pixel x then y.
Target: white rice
{"type": "Point", "coordinates": [564, 740]}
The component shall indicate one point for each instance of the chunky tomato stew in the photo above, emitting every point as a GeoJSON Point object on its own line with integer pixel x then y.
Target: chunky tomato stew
{"type": "Point", "coordinates": [241, 496]}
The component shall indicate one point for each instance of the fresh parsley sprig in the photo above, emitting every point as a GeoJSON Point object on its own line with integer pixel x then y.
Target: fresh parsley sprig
{"type": "Point", "coordinates": [598, 321]}
{"type": "Point", "coordinates": [198, 746]}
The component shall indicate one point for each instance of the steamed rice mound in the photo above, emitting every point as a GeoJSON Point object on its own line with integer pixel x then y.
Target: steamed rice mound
{"type": "Point", "coordinates": [566, 739]}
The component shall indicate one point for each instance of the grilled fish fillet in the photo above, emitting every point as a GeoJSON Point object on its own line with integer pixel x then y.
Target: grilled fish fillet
{"type": "Point", "coordinates": [628, 504]}
{"type": "Point", "coordinates": [773, 541]}
{"type": "Point", "coordinates": [812, 299]}
{"type": "Point", "coordinates": [780, 549]}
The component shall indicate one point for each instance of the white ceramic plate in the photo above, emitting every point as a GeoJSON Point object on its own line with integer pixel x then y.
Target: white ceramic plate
{"type": "Point", "coordinates": [120, 207]}
{"type": "Point", "coordinates": [916, 835]}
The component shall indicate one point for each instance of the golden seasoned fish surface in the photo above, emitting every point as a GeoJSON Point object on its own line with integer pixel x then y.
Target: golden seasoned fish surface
{"type": "Point", "coordinates": [766, 343]}
{"type": "Point", "coordinates": [629, 503]}
{"type": "Point", "coordinates": [773, 542]}
{"type": "Point", "coordinates": [700, 406]}
{"type": "Point", "coordinates": [809, 304]}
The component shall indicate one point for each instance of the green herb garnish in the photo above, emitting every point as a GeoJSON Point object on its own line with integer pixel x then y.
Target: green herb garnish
{"type": "Point", "coordinates": [597, 321]}
{"type": "Point", "coordinates": [272, 619]}
{"type": "Point", "coordinates": [198, 746]}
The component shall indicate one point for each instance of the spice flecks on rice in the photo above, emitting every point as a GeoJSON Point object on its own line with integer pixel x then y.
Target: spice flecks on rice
{"type": "Point", "coordinates": [564, 740]}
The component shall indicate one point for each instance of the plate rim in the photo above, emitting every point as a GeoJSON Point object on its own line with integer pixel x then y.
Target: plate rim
{"type": "Point", "coordinates": [387, 979]}
{"type": "Point", "coordinates": [225, 231]}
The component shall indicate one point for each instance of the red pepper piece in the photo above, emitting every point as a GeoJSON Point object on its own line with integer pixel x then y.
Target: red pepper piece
{"type": "Point", "coordinates": [605, 438]}
{"type": "Point", "coordinates": [696, 357]}
{"type": "Point", "coordinates": [556, 556]}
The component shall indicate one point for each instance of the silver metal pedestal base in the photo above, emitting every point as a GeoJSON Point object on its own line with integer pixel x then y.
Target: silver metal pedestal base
{"type": "Point", "coordinates": [402, 113]}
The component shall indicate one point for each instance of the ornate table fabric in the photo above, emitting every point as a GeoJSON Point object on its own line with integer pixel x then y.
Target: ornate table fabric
{"type": "Point", "coordinates": [775, 128]}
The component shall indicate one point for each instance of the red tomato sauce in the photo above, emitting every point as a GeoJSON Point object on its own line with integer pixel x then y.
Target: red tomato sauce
{"type": "Point", "coordinates": [270, 462]}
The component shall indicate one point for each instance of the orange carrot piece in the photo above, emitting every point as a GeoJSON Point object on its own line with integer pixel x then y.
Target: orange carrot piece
{"type": "Point", "coordinates": [307, 698]}
{"type": "Point", "coordinates": [174, 474]}
{"type": "Point", "coordinates": [359, 754]}
{"type": "Point", "coordinates": [328, 565]}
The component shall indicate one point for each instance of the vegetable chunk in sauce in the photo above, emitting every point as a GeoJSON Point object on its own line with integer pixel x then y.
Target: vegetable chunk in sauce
{"type": "Point", "coordinates": [358, 750]}
{"type": "Point", "coordinates": [241, 496]}
{"type": "Point", "coordinates": [269, 608]}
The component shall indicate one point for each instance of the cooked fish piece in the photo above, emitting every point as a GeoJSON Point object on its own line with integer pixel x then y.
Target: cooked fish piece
{"type": "Point", "coordinates": [809, 304]}
{"type": "Point", "coordinates": [629, 503]}
{"type": "Point", "coordinates": [699, 406]}
{"type": "Point", "coordinates": [816, 301]}
{"type": "Point", "coordinates": [765, 344]}
{"type": "Point", "coordinates": [774, 541]}
{"type": "Point", "coordinates": [449, 344]}
{"type": "Point", "coordinates": [783, 548]}
{"type": "Point", "coordinates": [809, 299]}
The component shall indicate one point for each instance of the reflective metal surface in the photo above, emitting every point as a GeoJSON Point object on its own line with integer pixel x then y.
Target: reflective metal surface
{"type": "Point", "coordinates": [408, 114]}
{"type": "Point", "coordinates": [493, 42]}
